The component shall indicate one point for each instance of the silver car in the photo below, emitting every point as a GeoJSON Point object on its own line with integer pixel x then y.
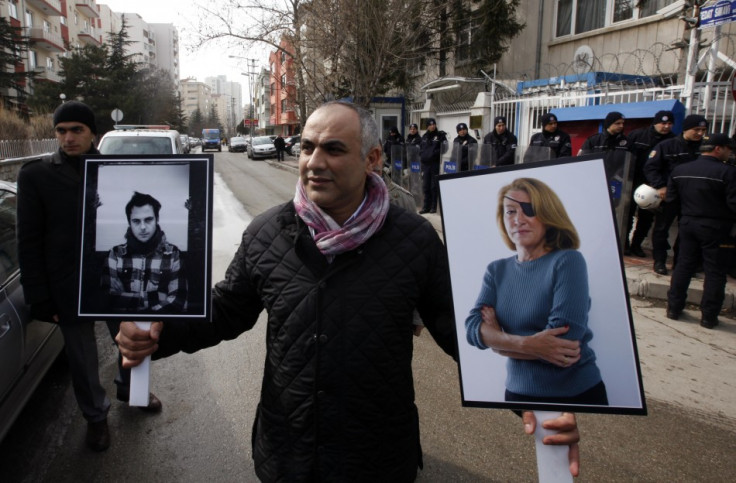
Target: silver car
{"type": "Point", "coordinates": [261, 147]}
{"type": "Point", "coordinates": [27, 347]}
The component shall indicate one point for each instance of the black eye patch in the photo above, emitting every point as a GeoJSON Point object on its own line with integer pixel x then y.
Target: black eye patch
{"type": "Point", "coordinates": [526, 207]}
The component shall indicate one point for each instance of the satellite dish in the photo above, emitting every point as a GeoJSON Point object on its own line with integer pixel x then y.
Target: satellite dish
{"type": "Point", "coordinates": [582, 61]}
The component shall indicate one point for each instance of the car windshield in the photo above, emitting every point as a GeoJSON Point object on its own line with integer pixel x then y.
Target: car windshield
{"type": "Point", "coordinates": [237, 141]}
{"type": "Point", "coordinates": [262, 140]}
{"type": "Point", "coordinates": [136, 145]}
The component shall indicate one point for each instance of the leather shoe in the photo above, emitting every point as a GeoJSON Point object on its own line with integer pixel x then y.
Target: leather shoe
{"type": "Point", "coordinates": [98, 436]}
{"type": "Point", "coordinates": [673, 314]}
{"type": "Point", "coordinates": [708, 323]}
{"type": "Point", "coordinates": [433, 211]}
{"type": "Point", "coordinates": [423, 211]}
{"type": "Point", "coordinates": [638, 252]}
{"type": "Point", "coordinates": [660, 268]}
{"type": "Point", "coordinates": [154, 403]}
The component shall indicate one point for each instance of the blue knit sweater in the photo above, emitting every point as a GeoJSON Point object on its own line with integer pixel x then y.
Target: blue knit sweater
{"type": "Point", "coordinates": [551, 291]}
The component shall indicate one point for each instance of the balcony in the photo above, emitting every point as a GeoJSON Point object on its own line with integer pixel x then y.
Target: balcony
{"type": "Point", "coordinates": [46, 74]}
{"type": "Point", "coordinates": [52, 8]}
{"type": "Point", "coordinates": [47, 41]}
{"type": "Point", "coordinates": [87, 37]}
{"type": "Point", "coordinates": [88, 8]}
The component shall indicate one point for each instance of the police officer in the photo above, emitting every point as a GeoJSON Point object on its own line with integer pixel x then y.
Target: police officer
{"type": "Point", "coordinates": [662, 160]}
{"type": "Point", "coordinates": [704, 190]}
{"type": "Point", "coordinates": [413, 137]}
{"type": "Point", "coordinates": [551, 137]}
{"type": "Point", "coordinates": [612, 138]}
{"type": "Point", "coordinates": [641, 142]}
{"type": "Point", "coordinates": [461, 144]}
{"type": "Point", "coordinates": [503, 142]}
{"type": "Point", "coordinates": [433, 144]}
{"type": "Point", "coordinates": [394, 139]}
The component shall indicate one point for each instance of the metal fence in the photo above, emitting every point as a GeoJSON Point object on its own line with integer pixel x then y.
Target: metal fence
{"type": "Point", "coordinates": [26, 147]}
{"type": "Point", "coordinates": [714, 100]}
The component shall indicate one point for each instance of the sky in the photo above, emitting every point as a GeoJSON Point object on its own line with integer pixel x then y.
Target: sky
{"type": "Point", "coordinates": [211, 60]}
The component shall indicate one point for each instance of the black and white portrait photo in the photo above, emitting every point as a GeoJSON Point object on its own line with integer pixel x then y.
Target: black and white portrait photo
{"type": "Point", "coordinates": [146, 238]}
{"type": "Point", "coordinates": [541, 308]}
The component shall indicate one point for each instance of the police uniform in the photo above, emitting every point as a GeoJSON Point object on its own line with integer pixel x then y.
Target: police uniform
{"type": "Point", "coordinates": [641, 143]}
{"type": "Point", "coordinates": [704, 190]}
{"type": "Point", "coordinates": [431, 148]}
{"type": "Point", "coordinates": [463, 144]}
{"type": "Point", "coordinates": [663, 159]}
{"type": "Point", "coordinates": [504, 144]}
{"type": "Point", "coordinates": [557, 141]}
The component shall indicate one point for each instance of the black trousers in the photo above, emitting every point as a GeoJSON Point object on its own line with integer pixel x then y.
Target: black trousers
{"type": "Point", "coordinates": [662, 223]}
{"type": "Point", "coordinates": [80, 346]}
{"type": "Point", "coordinates": [280, 154]}
{"type": "Point", "coordinates": [701, 240]}
{"type": "Point", "coordinates": [644, 220]}
{"type": "Point", "coordinates": [430, 185]}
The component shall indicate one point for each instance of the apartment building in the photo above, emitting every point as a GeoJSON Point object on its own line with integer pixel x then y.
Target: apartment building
{"type": "Point", "coordinates": [282, 95]}
{"type": "Point", "coordinates": [195, 95]}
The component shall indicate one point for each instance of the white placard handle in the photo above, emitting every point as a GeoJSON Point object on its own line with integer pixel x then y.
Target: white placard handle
{"type": "Point", "coordinates": [140, 376]}
{"type": "Point", "coordinates": [553, 464]}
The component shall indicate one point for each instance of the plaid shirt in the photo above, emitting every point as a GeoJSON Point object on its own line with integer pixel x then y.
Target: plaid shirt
{"type": "Point", "coordinates": [154, 282]}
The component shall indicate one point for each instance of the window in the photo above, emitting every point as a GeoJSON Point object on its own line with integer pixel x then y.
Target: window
{"type": "Point", "coordinates": [283, 56]}
{"type": "Point", "coordinates": [32, 59]}
{"type": "Point", "coordinates": [283, 105]}
{"type": "Point", "coordinates": [49, 63]}
{"type": "Point", "coordinates": [8, 249]}
{"type": "Point", "coordinates": [273, 88]}
{"type": "Point", "coordinates": [29, 19]}
{"type": "Point", "coordinates": [464, 37]}
{"type": "Point", "coordinates": [13, 9]}
{"type": "Point", "coordinates": [283, 81]}
{"type": "Point", "coordinates": [579, 16]}
{"type": "Point", "coordinates": [46, 26]}
{"type": "Point", "coordinates": [63, 20]}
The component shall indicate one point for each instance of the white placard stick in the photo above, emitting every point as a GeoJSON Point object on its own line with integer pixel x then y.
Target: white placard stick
{"type": "Point", "coordinates": [553, 464]}
{"type": "Point", "coordinates": [140, 376]}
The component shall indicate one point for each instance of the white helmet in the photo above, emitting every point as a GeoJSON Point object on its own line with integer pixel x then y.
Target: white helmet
{"type": "Point", "coordinates": [647, 197]}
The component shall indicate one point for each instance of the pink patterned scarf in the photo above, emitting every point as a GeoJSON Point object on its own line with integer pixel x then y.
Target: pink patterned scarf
{"type": "Point", "coordinates": [333, 239]}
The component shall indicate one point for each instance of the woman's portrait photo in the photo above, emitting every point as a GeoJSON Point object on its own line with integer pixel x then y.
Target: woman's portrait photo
{"type": "Point", "coordinates": [541, 308]}
{"type": "Point", "coordinates": [145, 240]}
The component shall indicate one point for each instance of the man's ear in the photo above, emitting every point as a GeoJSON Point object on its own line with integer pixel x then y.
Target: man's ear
{"type": "Point", "coordinates": [374, 160]}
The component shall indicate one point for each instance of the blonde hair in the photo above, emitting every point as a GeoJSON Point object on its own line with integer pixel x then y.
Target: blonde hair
{"type": "Point", "coordinates": [548, 209]}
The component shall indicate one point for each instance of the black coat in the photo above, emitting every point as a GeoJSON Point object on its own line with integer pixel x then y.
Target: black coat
{"type": "Point", "coordinates": [337, 399]}
{"type": "Point", "coordinates": [558, 142]}
{"type": "Point", "coordinates": [47, 231]}
{"type": "Point", "coordinates": [504, 147]}
{"type": "Point", "coordinates": [666, 156]}
{"type": "Point", "coordinates": [704, 189]}
{"type": "Point", "coordinates": [641, 143]}
{"type": "Point", "coordinates": [432, 146]}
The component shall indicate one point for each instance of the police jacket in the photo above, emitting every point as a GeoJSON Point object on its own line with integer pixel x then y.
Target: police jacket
{"type": "Point", "coordinates": [704, 189]}
{"type": "Point", "coordinates": [47, 226]}
{"type": "Point", "coordinates": [337, 397]}
{"type": "Point", "coordinates": [558, 141]}
{"type": "Point", "coordinates": [413, 138]}
{"type": "Point", "coordinates": [605, 141]}
{"type": "Point", "coordinates": [504, 146]}
{"type": "Point", "coordinates": [433, 144]}
{"type": "Point", "coordinates": [461, 145]}
{"type": "Point", "coordinates": [641, 142]}
{"type": "Point", "coordinates": [666, 156]}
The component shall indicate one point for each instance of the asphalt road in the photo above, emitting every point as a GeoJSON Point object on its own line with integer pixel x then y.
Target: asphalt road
{"type": "Point", "coordinates": [209, 399]}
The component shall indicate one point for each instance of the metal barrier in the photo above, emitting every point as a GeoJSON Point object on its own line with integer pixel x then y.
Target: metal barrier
{"type": "Point", "coordinates": [18, 148]}
{"type": "Point", "coordinates": [9, 167]}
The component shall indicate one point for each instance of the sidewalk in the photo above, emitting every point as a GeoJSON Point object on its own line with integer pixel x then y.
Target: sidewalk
{"type": "Point", "coordinates": [640, 277]}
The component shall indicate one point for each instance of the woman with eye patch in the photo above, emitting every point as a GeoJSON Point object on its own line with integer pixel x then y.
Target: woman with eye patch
{"type": "Point", "coordinates": [533, 307]}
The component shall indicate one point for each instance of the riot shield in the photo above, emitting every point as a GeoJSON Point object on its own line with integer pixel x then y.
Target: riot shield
{"type": "Point", "coordinates": [452, 165]}
{"type": "Point", "coordinates": [619, 167]}
{"type": "Point", "coordinates": [415, 173]}
{"type": "Point", "coordinates": [535, 154]}
{"type": "Point", "coordinates": [472, 156]}
{"type": "Point", "coordinates": [397, 164]}
{"type": "Point", "coordinates": [487, 158]}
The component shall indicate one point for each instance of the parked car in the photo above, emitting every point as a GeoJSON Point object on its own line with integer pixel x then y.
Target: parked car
{"type": "Point", "coordinates": [290, 141]}
{"type": "Point", "coordinates": [237, 145]}
{"type": "Point", "coordinates": [141, 140]}
{"type": "Point", "coordinates": [27, 347]}
{"type": "Point", "coordinates": [185, 143]}
{"type": "Point", "coordinates": [261, 147]}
